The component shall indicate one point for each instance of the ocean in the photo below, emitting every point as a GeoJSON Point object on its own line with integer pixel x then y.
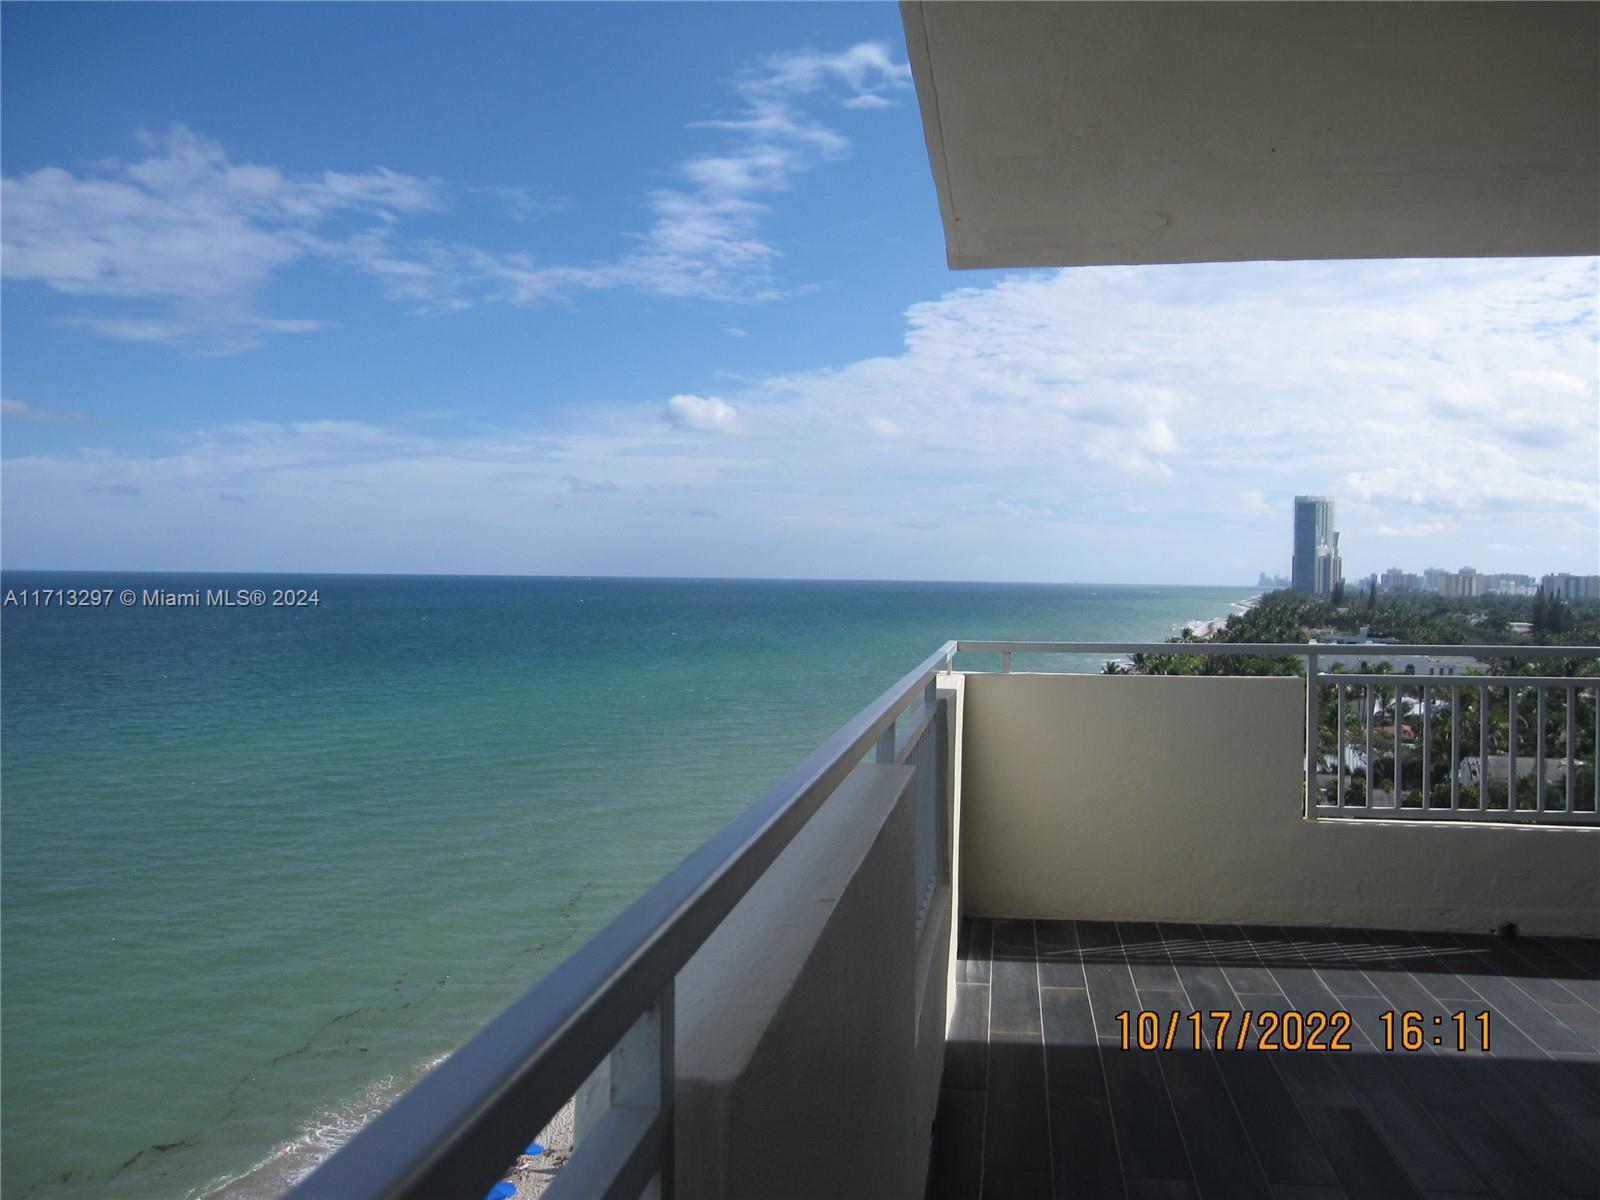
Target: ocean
{"type": "Point", "coordinates": [262, 866]}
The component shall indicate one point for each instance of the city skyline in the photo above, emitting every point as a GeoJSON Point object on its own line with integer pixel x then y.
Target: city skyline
{"type": "Point", "coordinates": [1316, 567]}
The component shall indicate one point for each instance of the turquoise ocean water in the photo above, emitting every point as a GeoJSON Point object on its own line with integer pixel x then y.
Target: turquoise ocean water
{"type": "Point", "coordinates": [261, 867]}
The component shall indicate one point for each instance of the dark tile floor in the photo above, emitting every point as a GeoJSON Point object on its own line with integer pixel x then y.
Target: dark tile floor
{"type": "Point", "coordinates": [1039, 1099]}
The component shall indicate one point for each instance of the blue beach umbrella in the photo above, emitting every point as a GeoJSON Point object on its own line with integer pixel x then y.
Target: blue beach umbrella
{"type": "Point", "coordinates": [534, 1149]}
{"type": "Point", "coordinates": [502, 1191]}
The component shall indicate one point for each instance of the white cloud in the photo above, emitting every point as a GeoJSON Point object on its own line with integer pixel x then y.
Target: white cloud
{"type": "Point", "coordinates": [867, 68]}
{"type": "Point", "coordinates": [181, 245]}
{"type": "Point", "coordinates": [1252, 502]}
{"type": "Point", "coordinates": [189, 237]}
{"type": "Point", "coordinates": [706, 414]}
{"type": "Point", "coordinates": [1480, 477]}
{"type": "Point", "coordinates": [1413, 529]}
{"type": "Point", "coordinates": [18, 410]}
{"type": "Point", "coordinates": [706, 240]}
{"type": "Point", "coordinates": [580, 486]}
{"type": "Point", "coordinates": [1097, 424]}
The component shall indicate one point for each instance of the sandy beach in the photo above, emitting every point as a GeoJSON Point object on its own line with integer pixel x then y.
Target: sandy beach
{"type": "Point", "coordinates": [1205, 628]}
{"type": "Point", "coordinates": [533, 1174]}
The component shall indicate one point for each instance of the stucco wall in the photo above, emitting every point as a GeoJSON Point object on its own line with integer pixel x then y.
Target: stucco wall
{"type": "Point", "coordinates": [800, 1058]}
{"type": "Point", "coordinates": [1140, 798]}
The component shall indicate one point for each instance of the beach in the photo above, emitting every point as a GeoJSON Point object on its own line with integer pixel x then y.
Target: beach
{"type": "Point", "coordinates": [1210, 627]}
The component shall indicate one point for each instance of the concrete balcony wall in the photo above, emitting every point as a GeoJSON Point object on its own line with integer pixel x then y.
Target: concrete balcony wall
{"type": "Point", "coordinates": [811, 1023]}
{"type": "Point", "coordinates": [1182, 798]}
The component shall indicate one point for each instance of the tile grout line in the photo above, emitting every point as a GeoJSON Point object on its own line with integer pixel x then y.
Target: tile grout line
{"type": "Point", "coordinates": [1161, 1070]}
{"type": "Point", "coordinates": [1280, 1068]}
{"type": "Point", "coordinates": [1498, 1012]}
{"type": "Point", "coordinates": [1474, 1103]}
{"type": "Point", "coordinates": [1588, 971]}
{"type": "Point", "coordinates": [1244, 1125]}
{"type": "Point", "coordinates": [1577, 1000]}
{"type": "Point", "coordinates": [988, 1028]}
{"type": "Point", "coordinates": [1044, 1059]}
{"type": "Point", "coordinates": [1100, 1057]}
{"type": "Point", "coordinates": [1396, 1076]}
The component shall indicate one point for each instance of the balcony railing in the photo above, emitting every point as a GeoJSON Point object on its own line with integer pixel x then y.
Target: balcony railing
{"type": "Point", "coordinates": [608, 1009]}
{"type": "Point", "coordinates": [1515, 748]}
{"type": "Point", "coordinates": [601, 1025]}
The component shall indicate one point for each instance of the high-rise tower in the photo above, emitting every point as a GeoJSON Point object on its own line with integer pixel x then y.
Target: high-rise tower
{"type": "Point", "coordinates": [1315, 568]}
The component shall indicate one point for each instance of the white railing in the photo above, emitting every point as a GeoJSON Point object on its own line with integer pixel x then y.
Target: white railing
{"type": "Point", "coordinates": [1537, 766]}
{"type": "Point", "coordinates": [1488, 748]}
{"type": "Point", "coordinates": [925, 745]}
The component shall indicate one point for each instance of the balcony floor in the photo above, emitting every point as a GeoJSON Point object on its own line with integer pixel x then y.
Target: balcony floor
{"type": "Point", "coordinates": [1039, 1099]}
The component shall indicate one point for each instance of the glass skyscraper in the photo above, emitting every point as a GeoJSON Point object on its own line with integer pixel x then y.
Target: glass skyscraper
{"type": "Point", "coordinates": [1316, 567]}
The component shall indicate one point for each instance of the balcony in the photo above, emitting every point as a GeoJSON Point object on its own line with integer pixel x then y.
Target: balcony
{"type": "Point", "coordinates": [900, 971]}
{"type": "Point", "coordinates": [1040, 1097]}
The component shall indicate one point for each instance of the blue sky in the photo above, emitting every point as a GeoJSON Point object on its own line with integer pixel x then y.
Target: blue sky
{"type": "Point", "coordinates": [660, 290]}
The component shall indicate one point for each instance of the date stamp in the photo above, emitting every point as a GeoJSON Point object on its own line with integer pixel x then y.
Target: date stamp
{"type": "Point", "coordinates": [1274, 1030]}
{"type": "Point", "coordinates": [108, 598]}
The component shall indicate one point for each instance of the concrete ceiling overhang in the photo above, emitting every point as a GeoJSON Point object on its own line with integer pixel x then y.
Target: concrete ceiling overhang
{"type": "Point", "coordinates": [1068, 134]}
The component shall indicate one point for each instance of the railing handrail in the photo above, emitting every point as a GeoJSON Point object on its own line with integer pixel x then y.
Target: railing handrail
{"type": "Point", "coordinates": [1318, 654]}
{"type": "Point", "coordinates": [1274, 649]}
{"type": "Point", "coordinates": [455, 1131]}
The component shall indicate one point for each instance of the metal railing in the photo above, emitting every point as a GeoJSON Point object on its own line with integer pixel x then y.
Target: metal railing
{"type": "Point", "coordinates": [607, 1010]}
{"type": "Point", "coordinates": [1400, 748]}
{"type": "Point", "coordinates": [1544, 772]}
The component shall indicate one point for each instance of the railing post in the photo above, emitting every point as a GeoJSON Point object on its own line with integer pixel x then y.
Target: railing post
{"type": "Point", "coordinates": [944, 798]}
{"type": "Point", "coordinates": [1399, 746]}
{"type": "Point", "coordinates": [1367, 703]}
{"type": "Point", "coordinates": [1427, 744]}
{"type": "Point", "coordinates": [1311, 737]}
{"type": "Point", "coordinates": [1572, 758]}
{"type": "Point", "coordinates": [1511, 749]}
{"type": "Point", "coordinates": [1539, 800]}
{"type": "Point", "coordinates": [1339, 748]}
{"type": "Point", "coordinates": [639, 1074]}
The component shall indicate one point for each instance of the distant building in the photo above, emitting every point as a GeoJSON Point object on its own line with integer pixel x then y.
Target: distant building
{"type": "Point", "coordinates": [1562, 586]}
{"type": "Point", "coordinates": [1506, 585]}
{"type": "Point", "coordinates": [1461, 584]}
{"type": "Point", "coordinates": [1396, 580]}
{"type": "Point", "coordinates": [1370, 657]}
{"type": "Point", "coordinates": [1272, 582]}
{"type": "Point", "coordinates": [1315, 567]}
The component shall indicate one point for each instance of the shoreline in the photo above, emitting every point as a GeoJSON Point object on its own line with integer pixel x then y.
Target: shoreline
{"type": "Point", "coordinates": [1202, 627]}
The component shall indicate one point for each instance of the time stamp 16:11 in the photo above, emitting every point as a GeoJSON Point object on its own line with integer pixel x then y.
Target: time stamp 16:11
{"type": "Point", "coordinates": [1291, 1030]}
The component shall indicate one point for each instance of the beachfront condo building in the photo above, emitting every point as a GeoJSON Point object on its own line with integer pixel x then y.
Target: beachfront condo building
{"type": "Point", "coordinates": [1017, 932]}
{"type": "Point", "coordinates": [1315, 567]}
